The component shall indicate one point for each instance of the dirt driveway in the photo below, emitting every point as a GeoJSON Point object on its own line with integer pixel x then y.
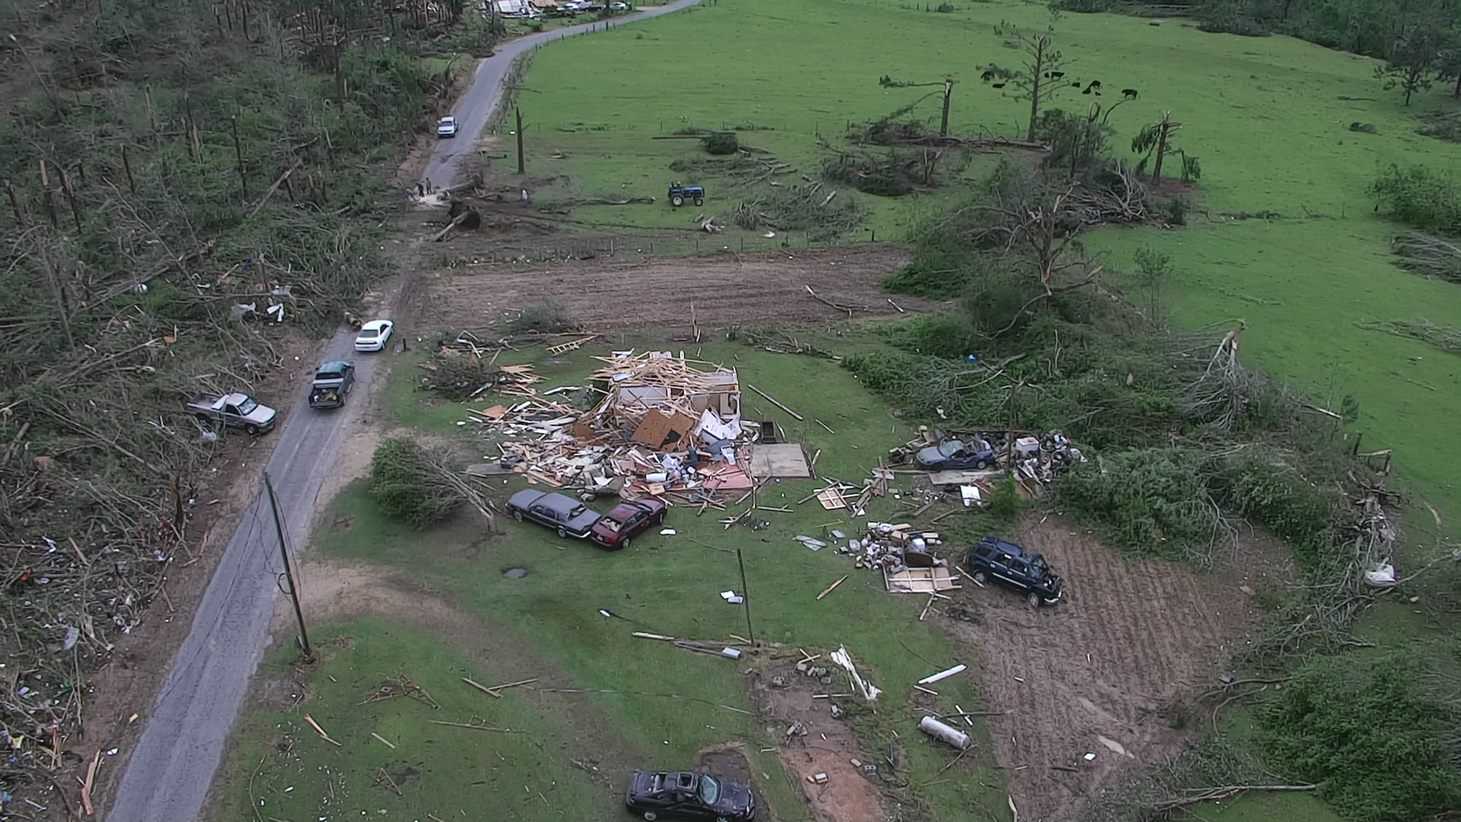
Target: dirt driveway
{"type": "Point", "coordinates": [724, 290]}
{"type": "Point", "coordinates": [1110, 670]}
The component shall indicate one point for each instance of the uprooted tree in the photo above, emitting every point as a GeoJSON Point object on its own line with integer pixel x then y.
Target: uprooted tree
{"type": "Point", "coordinates": [423, 485]}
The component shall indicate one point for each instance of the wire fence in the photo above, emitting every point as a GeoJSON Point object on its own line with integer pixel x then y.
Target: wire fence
{"type": "Point", "coordinates": [638, 248]}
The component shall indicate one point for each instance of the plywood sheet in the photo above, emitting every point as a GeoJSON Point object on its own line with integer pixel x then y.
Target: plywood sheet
{"type": "Point", "coordinates": [921, 580]}
{"type": "Point", "coordinates": [783, 460]}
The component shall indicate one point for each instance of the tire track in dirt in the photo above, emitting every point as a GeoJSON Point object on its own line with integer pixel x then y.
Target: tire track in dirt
{"type": "Point", "coordinates": [1132, 641]}
{"type": "Point", "coordinates": [726, 290]}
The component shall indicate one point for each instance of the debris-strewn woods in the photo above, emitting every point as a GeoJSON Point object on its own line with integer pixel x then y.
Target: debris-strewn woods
{"type": "Point", "coordinates": [189, 187]}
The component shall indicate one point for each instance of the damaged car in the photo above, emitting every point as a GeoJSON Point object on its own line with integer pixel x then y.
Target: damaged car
{"type": "Point", "coordinates": [566, 515]}
{"type": "Point", "coordinates": [955, 455]}
{"type": "Point", "coordinates": [994, 558]}
{"type": "Point", "coordinates": [627, 520]}
{"type": "Point", "coordinates": [687, 795]}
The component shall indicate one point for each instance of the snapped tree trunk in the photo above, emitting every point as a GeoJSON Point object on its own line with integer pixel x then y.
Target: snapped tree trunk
{"type": "Point", "coordinates": [1161, 154]}
{"type": "Point", "coordinates": [1035, 82]}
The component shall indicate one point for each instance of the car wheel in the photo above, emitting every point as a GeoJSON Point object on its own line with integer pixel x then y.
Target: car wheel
{"type": "Point", "coordinates": [980, 577]}
{"type": "Point", "coordinates": [981, 465]}
{"type": "Point", "coordinates": [677, 201]}
{"type": "Point", "coordinates": [699, 201]}
{"type": "Point", "coordinates": [253, 430]}
{"type": "Point", "coordinates": [650, 816]}
{"type": "Point", "coordinates": [517, 515]}
{"type": "Point", "coordinates": [562, 533]}
{"type": "Point", "coordinates": [625, 544]}
{"type": "Point", "coordinates": [1033, 599]}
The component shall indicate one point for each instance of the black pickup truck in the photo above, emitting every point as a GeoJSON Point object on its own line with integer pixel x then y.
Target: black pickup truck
{"type": "Point", "coordinates": [333, 380]}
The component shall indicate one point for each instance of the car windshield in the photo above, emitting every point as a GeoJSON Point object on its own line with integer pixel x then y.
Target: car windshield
{"type": "Point", "coordinates": [247, 406]}
{"type": "Point", "coordinates": [951, 448]}
{"type": "Point", "coordinates": [575, 512]}
{"type": "Point", "coordinates": [612, 524]}
{"type": "Point", "coordinates": [368, 332]}
{"type": "Point", "coordinates": [709, 790]}
{"type": "Point", "coordinates": [327, 375]}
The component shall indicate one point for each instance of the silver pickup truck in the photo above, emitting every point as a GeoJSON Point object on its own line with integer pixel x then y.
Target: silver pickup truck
{"type": "Point", "coordinates": [236, 411]}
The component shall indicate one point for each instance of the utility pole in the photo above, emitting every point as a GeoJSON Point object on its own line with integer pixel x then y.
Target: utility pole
{"type": "Point", "coordinates": [746, 593]}
{"type": "Point", "coordinates": [288, 569]}
{"type": "Point", "coordinates": [521, 161]}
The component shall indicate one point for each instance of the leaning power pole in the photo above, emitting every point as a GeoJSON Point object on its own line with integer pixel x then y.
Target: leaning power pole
{"type": "Point", "coordinates": [288, 569]}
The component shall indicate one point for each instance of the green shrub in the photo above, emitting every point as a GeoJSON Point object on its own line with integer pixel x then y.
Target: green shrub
{"type": "Point", "coordinates": [1419, 197]}
{"type": "Point", "coordinates": [940, 335]}
{"type": "Point", "coordinates": [1152, 500]}
{"type": "Point", "coordinates": [400, 484]}
{"type": "Point", "coordinates": [546, 317]}
{"type": "Point", "coordinates": [1376, 733]}
{"type": "Point", "coordinates": [722, 142]}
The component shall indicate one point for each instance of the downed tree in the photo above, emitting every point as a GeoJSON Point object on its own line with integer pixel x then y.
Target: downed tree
{"type": "Point", "coordinates": [1429, 255]}
{"type": "Point", "coordinates": [424, 484]}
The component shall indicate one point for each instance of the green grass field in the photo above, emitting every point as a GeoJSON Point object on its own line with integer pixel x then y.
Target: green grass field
{"type": "Point", "coordinates": [547, 625]}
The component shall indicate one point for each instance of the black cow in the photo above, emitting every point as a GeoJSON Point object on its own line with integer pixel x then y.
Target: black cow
{"type": "Point", "coordinates": [1129, 93]}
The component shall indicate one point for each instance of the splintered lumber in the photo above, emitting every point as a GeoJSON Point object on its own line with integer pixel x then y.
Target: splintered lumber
{"type": "Point", "coordinates": [483, 688]}
{"type": "Point", "coordinates": [383, 778]}
{"type": "Point", "coordinates": [571, 345]}
{"type": "Point", "coordinates": [392, 745]}
{"type": "Point", "coordinates": [87, 785]}
{"type": "Point", "coordinates": [776, 402]}
{"type": "Point", "coordinates": [472, 727]}
{"type": "Point", "coordinates": [320, 731]}
{"type": "Point", "coordinates": [646, 635]}
{"type": "Point", "coordinates": [932, 678]}
{"type": "Point", "coordinates": [495, 688]}
{"type": "Point", "coordinates": [833, 586]}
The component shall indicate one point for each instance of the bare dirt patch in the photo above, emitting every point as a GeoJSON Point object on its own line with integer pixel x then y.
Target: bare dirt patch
{"type": "Point", "coordinates": [746, 289]}
{"type": "Point", "coordinates": [820, 744]}
{"type": "Point", "coordinates": [1110, 670]}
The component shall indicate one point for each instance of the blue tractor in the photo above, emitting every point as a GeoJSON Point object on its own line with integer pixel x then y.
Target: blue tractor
{"type": "Point", "coordinates": [680, 193]}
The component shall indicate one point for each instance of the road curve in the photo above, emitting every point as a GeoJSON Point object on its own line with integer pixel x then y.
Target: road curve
{"type": "Point", "coordinates": [481, 98]}
{"type": "Point", "coordinates": [167, 776]}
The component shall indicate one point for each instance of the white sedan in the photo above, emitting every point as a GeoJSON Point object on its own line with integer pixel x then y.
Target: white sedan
{"type": "Point", "coordinates": [374, 335]}
{"type": "Point", "coordinates": [446, 127]}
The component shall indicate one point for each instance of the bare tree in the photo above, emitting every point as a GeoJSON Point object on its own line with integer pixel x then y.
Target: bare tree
{"type": "Point", "coordinates": [1041, 75]}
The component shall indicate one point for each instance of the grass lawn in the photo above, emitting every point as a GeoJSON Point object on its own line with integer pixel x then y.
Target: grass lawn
{"type": "Point", "coordinates": [547, 624]}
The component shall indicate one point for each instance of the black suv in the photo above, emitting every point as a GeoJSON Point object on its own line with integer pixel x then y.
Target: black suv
{"type": "Point", "coordinates": [1012, 565]}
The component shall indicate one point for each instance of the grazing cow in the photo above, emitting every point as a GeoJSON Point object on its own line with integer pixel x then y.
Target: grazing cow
{"type": "Point", "coordinates": [997, 85]}
{"type": "Point", "coordinates": [1129, 93]}
{"type": "Point", "coordinates": [1094, 86]}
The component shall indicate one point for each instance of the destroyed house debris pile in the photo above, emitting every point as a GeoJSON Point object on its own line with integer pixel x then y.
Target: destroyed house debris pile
{"type": "Point", "coordinates": [660, 425]}
{"type": "Point", "coordinates": [903, 554]}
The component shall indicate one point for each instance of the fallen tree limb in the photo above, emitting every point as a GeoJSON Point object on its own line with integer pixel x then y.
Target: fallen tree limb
{"type": "Point", "coordinates": [1199, 795]}
{"type": "Point", "coordinates": [263, 201]}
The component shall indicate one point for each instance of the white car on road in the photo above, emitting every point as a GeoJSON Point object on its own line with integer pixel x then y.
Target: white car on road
{"type": "Point", "coordinates": [374, 335]}
{"type": "Point", "coordinates": [446, 127]}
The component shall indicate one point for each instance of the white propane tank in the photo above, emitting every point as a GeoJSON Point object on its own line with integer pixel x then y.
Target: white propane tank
{"type": "Point", "coordinates": [944, 733]}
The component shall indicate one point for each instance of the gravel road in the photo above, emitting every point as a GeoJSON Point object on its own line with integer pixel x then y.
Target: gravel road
{"type": "Point", "coordinates": [166, 778]}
